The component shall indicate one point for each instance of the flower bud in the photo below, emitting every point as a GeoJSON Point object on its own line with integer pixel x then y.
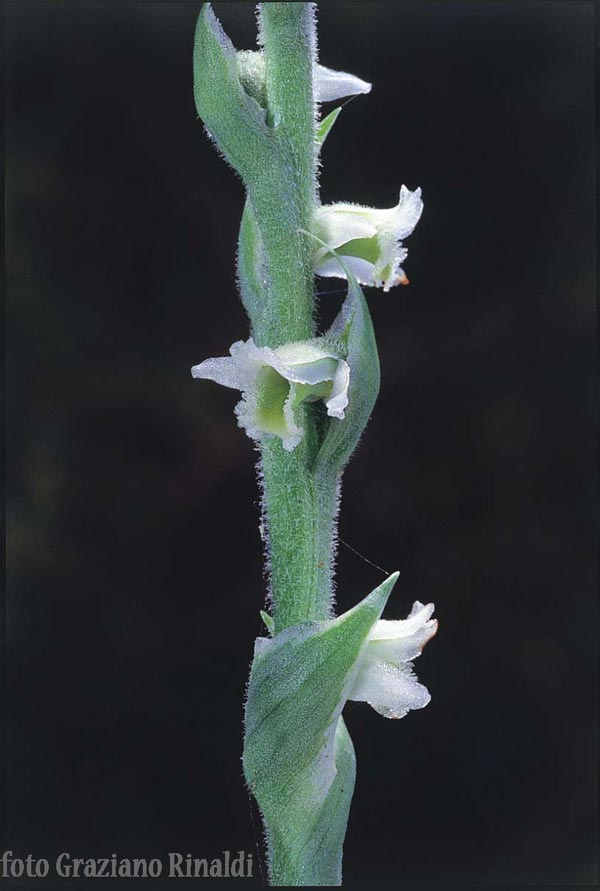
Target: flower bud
{"type": "Point", "coordinates": [328, 84]}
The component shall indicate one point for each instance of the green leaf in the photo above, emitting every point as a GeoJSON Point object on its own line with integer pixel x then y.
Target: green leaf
{"type": "Point", "coordinates": [354, 328]}
{"type": "Point", "coordinates": [324, 127]}
{"type": "Point", "coordinates": [298, 757]}
{"type": "Point", "coordinates": [232, 117]}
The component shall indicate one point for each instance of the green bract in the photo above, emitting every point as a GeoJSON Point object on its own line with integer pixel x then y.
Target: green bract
{"type": "Point", "coordinates": [354, 329]}
{"type": "Point", "coordinates": [298, 756]}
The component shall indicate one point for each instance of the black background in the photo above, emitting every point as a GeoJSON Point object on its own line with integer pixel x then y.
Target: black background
{"type": "Point", "coordinates": [134, 556]}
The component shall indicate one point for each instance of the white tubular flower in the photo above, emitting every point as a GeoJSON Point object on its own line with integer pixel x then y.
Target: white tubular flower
{"type": "Point", "coordinates": [385, 678]}
{"type": "Point", "coordinates": [274, 383]}
{"type": "Point", "coordinates": [370, 240]}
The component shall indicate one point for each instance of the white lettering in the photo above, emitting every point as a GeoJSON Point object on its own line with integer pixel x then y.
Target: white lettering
{"type": "Point", "coordinates": [140, 869]}
{"type": "Point", "coordinates": [175, 871]}
{"type": "Point", "coordinates": [155, 868]}
{"type": "Point", "coordinates": [101, 867]}
{"type": "Point", "coordinates": [216, 871]}
{"type": "Point", "coordinates": [63, 869]}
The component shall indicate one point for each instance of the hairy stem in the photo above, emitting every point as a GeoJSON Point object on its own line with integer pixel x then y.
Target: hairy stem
{"type": "Point", "coordinates": [300, 509]}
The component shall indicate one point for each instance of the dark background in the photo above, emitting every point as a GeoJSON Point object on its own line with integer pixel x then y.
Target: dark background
{"type": "Point", "coordinates": [134, 556]}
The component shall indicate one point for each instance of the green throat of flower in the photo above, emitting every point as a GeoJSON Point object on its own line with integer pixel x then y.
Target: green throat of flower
{"type": "Point", "coordinates": [277, 397]}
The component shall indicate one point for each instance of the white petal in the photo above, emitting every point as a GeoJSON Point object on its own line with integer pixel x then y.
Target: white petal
{"type": "Point", "coordinates": [390, 690]}
{"type": "Point", "coordinates": [313, 372]}
{"type": "Point", "coordinates": [239, 370]}
{"type": "Point", "coordinates": [361, 269]}
{"type": "Point", "coordinates": [399, 641]}
{"type": "Point", "coordinates": [337, 402]}
{"type": "Point", "coordinates": [305, 363]}
{"type": "Point", "coordinates": [232, 371]}
{"type": "Point", "coordinates": [330, 84]}
{"type": "Point", "coordinates": [385, 678]}
{"type": "Point", "coordinates": [417, 618]}
{"type": "Point", "coordinates": [245, 412]}
{"type": "Point", "coordinates": [222, 371]}
{"type": "Point", "coordinates": [335, 224]}
{"type": "Point", "coordinates": [407, 212]}
{"type": "Point", "coordinates": [293, 433]}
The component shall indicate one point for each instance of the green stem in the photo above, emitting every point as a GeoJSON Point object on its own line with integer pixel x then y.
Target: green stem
{"type": "Point", "coordinates": [283, 199]}
{"type": "Point", "coordinates": [300, 509]}
{"type": "Point", "coordinates": [301, 775]}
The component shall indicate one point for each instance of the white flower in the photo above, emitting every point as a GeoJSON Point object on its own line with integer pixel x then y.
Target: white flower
{"type": "Point", "coordinates": [368, 239]}
{"type": "Point", "coordinates": [330, 85]}
{"type": "Point", "coordinates": [274, 383]}
{"type": "Point", "coordinates": [385, 678]}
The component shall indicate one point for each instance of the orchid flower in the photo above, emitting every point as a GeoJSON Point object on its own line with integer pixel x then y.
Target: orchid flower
{"type": "Point", "coordinates": [275, 382]}
{"type": "Point", "coordinates": [369, 239]}
{"type": "Point", "coordinates": [385, 679]}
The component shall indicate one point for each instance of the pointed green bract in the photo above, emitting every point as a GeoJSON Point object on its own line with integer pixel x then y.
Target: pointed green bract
{"type": "Point", "coordinates": [298, 758]}
{"type": "Point", "coordinates": [324, 128]}
{"type": "Point", "coordinates": [269, 623]}
{"type": "Point", "coordinates": [232, 117]}
{"type": "Point", "coordinates": [354, 328]}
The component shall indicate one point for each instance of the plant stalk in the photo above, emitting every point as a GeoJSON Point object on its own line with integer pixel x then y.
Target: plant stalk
{"type": "Point", "coordinates": [299, 509]}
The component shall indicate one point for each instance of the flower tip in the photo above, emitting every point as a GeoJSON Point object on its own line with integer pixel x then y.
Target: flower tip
{"type": "Point", "coordinates": [432, 626]}
{"type": "Point", "coordinates": [405, 192]}
{"type": "Point", "coordinates": [433, 631]}
{"type": "Point", "coordinates": [331, 85]}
